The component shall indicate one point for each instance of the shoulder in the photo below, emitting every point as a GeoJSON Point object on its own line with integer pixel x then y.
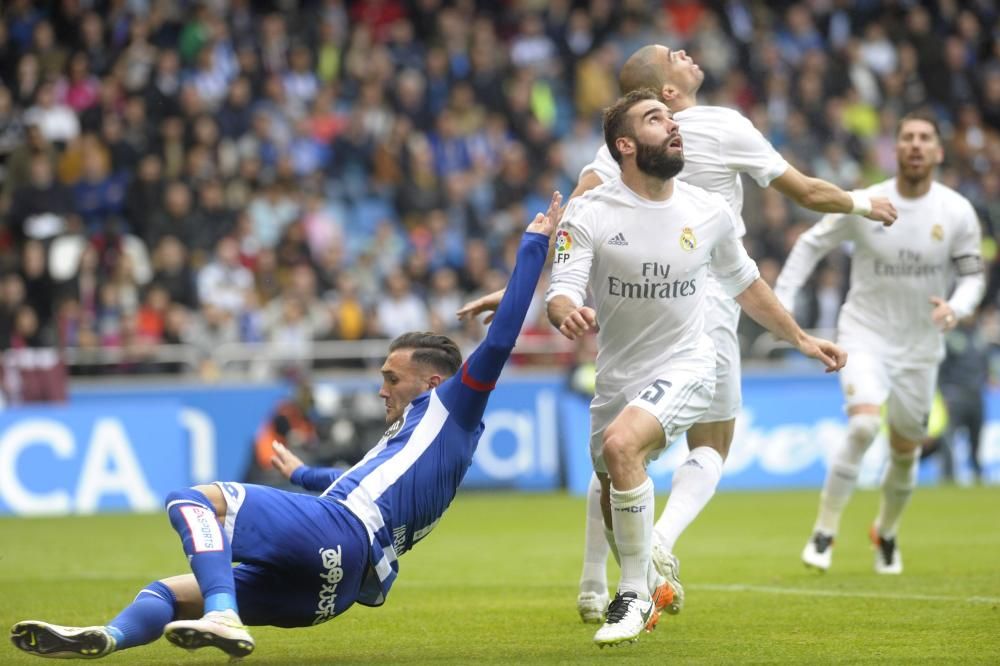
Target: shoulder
{"type": "Point", "coordinates": [700, 196]}
{"type": "Point", "coordinates": [609, 194]}
{"type": "Point", "coordinates": [717, 117]}
{"type": "Point", "coordinates": [952, 198]}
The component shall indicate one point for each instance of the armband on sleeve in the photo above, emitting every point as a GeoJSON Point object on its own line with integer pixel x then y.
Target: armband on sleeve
{"type": "Point", "coordinates": [968, 264]}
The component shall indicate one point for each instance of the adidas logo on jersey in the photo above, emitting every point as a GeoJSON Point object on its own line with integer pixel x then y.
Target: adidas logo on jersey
{"type": "Point", "coordinates": [618, 239]}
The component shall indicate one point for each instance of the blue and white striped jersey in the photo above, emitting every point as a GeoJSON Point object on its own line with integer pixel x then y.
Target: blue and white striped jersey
{"type": "Point", "coordinates": [401, 488]}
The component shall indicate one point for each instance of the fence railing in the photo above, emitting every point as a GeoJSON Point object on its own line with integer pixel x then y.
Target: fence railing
{"type": "Point", "coordinates": [260, 359]}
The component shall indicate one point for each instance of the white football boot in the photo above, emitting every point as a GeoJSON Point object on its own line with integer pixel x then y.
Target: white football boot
{"type": "Point", "coordinates": [818, 552]}
{"type": "Point", "coordinates": [888, 560]}
{"type": "Point", "coordinates": [221, 629]}
{"type": "Point", "coordinates": [668, 566]}
{"type": "Point", "coordinates": [58, 642]}
{"type": "Point", "coordinates": [591, 606]}
{"type": "Point", "coordinates": [627, 617]}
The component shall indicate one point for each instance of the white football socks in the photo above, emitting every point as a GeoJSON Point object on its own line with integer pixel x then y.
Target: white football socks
{"type": "Point", "coordinates": [632, 521]}
{"type": "Point", "coordinates": [694, 482]}
{"type": "Point", "coordinates": [842, 475]}
{"type": "Point", "coordinates": [595, 543]}
{"type": "Point", "coordinates": [898, 482]}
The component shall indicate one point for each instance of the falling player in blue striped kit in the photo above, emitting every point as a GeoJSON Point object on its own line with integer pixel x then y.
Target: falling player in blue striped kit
{"type": "Point", "coordinates": [306, 559]}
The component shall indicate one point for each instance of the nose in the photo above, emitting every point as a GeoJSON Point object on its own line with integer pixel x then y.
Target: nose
{"type": "Point", "coordinates": [383, 393]}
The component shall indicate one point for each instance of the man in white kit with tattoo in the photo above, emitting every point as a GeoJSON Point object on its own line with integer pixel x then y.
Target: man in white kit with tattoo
{"type": "Point", "coordinates": [892, 324]}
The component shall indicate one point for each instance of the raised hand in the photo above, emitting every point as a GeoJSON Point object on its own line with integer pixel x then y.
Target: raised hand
{"type": "Point", "coordinates": [546, 223]}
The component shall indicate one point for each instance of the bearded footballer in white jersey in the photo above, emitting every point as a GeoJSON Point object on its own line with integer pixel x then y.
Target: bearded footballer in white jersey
{"type": "Point", "coordinates": [643, 244]}
{"type": "Point", "coordinates": [719, 145]}
{"type": "Point", "coordinates": [892, 324]}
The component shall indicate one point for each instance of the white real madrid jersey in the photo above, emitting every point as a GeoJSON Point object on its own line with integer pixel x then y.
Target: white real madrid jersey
{"type": "Point", "coordinates": [894, 270]}
{"type": "Point", "coordinates": [719, 145]}
{"type": "Point", "coordinates": [646, 263]}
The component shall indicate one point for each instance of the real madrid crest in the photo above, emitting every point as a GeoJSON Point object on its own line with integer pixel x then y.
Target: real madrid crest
{"type": "Point", "coordinates": [937, 232]}
{"type": "Point", "coordinates": [688, 241]}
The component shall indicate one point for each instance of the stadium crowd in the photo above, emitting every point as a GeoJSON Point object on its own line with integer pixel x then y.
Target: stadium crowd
{"type": "Point", "coordinates": [285, 172]}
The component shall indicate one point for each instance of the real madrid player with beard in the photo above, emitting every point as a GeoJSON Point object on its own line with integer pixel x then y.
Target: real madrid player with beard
{"type": "Point", "coordinates": [720, 144]}
{"type": "Point", "coordinates": [643, 244]}
{"type": "Point", "coordinates": [892, 324]}
{"type": "Point", "coordinates": [305, 559]}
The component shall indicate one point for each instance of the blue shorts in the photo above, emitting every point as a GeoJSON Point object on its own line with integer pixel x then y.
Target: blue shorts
{"type": "Point", "coordinates": [302, 558]}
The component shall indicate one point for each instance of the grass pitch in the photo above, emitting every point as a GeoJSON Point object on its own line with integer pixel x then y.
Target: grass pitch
{"type": "Point", "coordinates": [496, 583]}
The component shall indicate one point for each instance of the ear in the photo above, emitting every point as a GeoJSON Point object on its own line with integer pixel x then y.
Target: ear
{"type": "Point", "coordinates": [434, 381]}
{"type": "Point", "coordinates": [669, 93]}
{"type": "Point", "coordinates": [939, 154]}
{"type": "Point", "coordinates": [625, 145]}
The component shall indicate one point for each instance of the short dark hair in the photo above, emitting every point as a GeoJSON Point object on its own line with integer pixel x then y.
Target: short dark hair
{"type": "Point", "coordinates": [920, 114]}
{"type": "Point", "coordinates": [436, 351]}
{"type": "Point", "coordinates": [616, 123]}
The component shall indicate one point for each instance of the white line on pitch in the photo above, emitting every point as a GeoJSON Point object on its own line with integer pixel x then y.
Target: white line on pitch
{"type": "Point", "coordinates": [807, 592]}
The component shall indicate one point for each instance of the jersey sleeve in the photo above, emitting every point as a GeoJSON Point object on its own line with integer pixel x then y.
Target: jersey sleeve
{"type": "Point", "coordinates": [810, 247]}
{"type": "Point", "coordinates": [315, 478]}
{"type": "Point", "coordinates": [731, 265]}
{"type": "Point", "coordinates": [466, 393]}
{"type": "Point", "coordinates": [603, 165]}
{"type": "Point", "coordinates": [745, 150]}
{"type": "Point", "coordinates": [574, 255]}
{"type": "Point", "coordinates": [966, 256]}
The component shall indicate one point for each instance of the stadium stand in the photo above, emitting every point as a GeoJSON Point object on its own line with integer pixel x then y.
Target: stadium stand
{"type": "Point", "coordinates": [187, 185]}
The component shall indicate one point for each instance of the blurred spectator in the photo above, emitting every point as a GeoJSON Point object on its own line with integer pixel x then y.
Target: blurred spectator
{"type": "Point", "coordinates": [57, 121]}
{"type": "Point", "coordinates": [361, 138]}
{"type": "Point", "coordinates": [962, 379]}
{"type": "Point", "coordinates": [400, 309]}
{"type": "Point", "coordinates": [223, 282]}
{"type": "Point", "coordinates": [39, 208]}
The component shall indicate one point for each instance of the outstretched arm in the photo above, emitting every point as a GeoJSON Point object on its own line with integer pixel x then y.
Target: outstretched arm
{"type": "Point", "coordinates": [814, 244]}
{"type": "Point", "coordinates": [589, 179]}
{"type": "Point", "coordinates": [465, 395]}
{"type": "Point", "coordinates": [824, 197]}
{"type": "Point", "coordinates": [302, 475]}
{"type": "Point", "coordinates": [760, 303]}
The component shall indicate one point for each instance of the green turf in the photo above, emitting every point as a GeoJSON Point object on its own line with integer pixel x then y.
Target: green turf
{"type": "Point", "coordinates": [496, 583]}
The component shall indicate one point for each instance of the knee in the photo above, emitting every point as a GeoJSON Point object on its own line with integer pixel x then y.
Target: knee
{"type": "Point", "coordinates": [862, 428]}
{"type": "Point", "coordinates": [208, 497]}
{"type": "Point", "coordinates": [618, 445]}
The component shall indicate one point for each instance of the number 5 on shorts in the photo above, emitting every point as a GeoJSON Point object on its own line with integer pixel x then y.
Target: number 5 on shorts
{"type": "Point", "coordinates": [655, 391]}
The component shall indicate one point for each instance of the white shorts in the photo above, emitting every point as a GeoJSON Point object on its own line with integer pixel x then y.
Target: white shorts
{"type": "Point", "coordinates": [868, 379]}
{"type": "Point", "coordinates": [722, 316]}
{"type": "Point", "coordinates": [677, 395]}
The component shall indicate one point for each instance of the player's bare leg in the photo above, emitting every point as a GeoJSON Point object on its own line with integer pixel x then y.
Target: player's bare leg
{"type": "Point", "coordinates": [863, 422]}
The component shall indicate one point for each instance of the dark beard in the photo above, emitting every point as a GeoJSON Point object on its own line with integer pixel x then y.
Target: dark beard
{"type": "Point", "coordinates": [657, 161]}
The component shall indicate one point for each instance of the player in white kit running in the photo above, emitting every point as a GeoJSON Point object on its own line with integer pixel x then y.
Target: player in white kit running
{"type": "Point", "coordinates": [643, 244]}
{"type": "Point", "coordinates": [892, 325]}
{"type": "Point", "coordinates": [719, 145]}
